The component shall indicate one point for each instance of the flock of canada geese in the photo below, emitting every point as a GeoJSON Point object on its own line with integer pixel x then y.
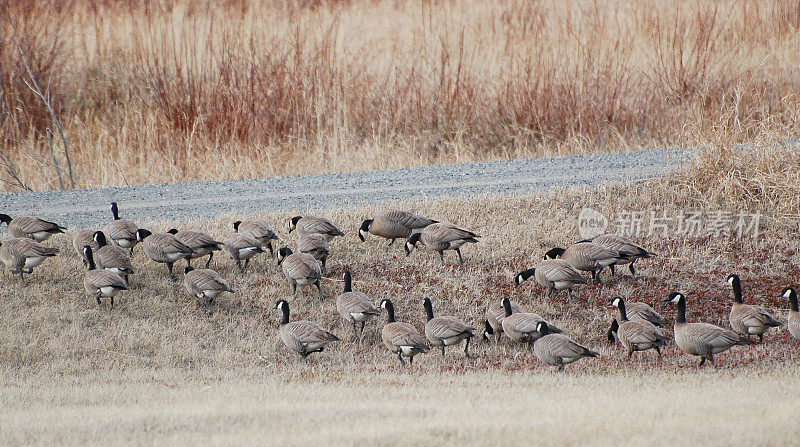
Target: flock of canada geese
{"type": "Point", "coordinates": [107, 257]}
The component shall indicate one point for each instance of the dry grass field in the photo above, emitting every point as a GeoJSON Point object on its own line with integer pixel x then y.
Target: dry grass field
{"type": "Point", "coordinates": [158, 369]}
{"type": "Point", "coordinates": [195, 89]}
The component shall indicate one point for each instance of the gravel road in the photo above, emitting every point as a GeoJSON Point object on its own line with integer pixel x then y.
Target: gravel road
{"type": "Point", "coordinates": [188, 201]}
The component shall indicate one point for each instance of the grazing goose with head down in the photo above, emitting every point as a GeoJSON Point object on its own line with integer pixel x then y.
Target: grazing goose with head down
{"type": "Point", "coordinates": [312, 224]}
{"type": "Point", "coordinates": [204, 284]}
{"type": "Point", "coordinates": [241, 247]}
{"type": "Point", "coordinates": [315, 245]}
{"type": "Point", "coordinates": [355, 307]}
{"type": "Point", "coordinates": [523, 326]}
{"type": "Point", "coordinates": [112, 257]}
{"type": "Point", "coordinates": [201, 244]}
{"type": "Point", "coordinates": [164, 248]}
{"type": "Point", "coordinates": [401, 338]}
{"type": "Point", "coordinates": [629, 251]}
{"type": "Point", "coordinates": [587, 257]}
{"type": "Point", "coordinates": [439, 237]}
{"type": "Point", "coordinates": [747, 319]}
{"type": "Point", "coordinates": [22, 254]}
{"type": "Point", "coordinates": [557, 349]}
{"type": "Point", "coordinates": [446, 330]}
{"type": "Point", "coordinates": [303, 337]}
{"type": "Point", "coordinates": [300, 269]}
{"type": "Point", "coordinates": [393, 224]}
{"type": "Point", "coordinates": [31, 227]}
{"type": "Point", "coordinates": [701, 339]}
{"type": "Point", "coordinates": [259, 230]}
{"type": "Point", "coordinates": [636, 335]}
{"type": "Point", "coordinates": [553, 274]}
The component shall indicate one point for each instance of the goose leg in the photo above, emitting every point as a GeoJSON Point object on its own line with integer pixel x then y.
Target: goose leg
{"type": "Point", "coordinates": [112, 303]}
{"type": "Point", "coordinates": [466, 348]}
{"type": "Point", "coordinates": [210, 255]}
{"type": "Point", "coordinates": [294, 290]}
{"type": "Point", "coordinates": [246, 261]}
{"type": "Point", "coordinates": [411, 360]}
{"type": "Point", "coordinates": [400, 357]}
{"type": "Point", "coordinates": [703, 360]}
{"type": "Point", "coordinates": [658, 350]}
{"type": "Point", "coordinates": [390, 243]}
{"type": "Point", "coordinates": [97, 297]}
{"type": "Point", "coordinates": [269, 247]}
{"type": "Point", "coordinates": [561, 367]}
{"type": "Point", "coordinates": [188, 261]}
{"type": "Point", "coordinates": [442, 351]}
{"type": "Point", "coordinates": [760, 338]}
{"type": "Point", "coordinates": [632, 268]}
{"type": "Point", "coordinates": [355, 332]}
{"type": "Point", "coordinates": [611, 267]}
{"type": "Point", "coordinates": [460, 259]}
{"type": "Point", "coordinates": [362, 328]}
{"type": "Point", "coordinates": [169, 269]}
{"type": "Point", "coordinates": [319, 289]}
{"type": "Point", "coordinates": [711, 359]}
{"type": "Point", "coordinates": [239, 265]}
{"type": "Point", "coordinates": [441, 257]}
{"type": "Point", "coordinates": [630, 354]}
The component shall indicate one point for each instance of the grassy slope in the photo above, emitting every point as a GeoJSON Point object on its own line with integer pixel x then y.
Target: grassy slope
{"type": "Point", "coordinates": [157, 368]}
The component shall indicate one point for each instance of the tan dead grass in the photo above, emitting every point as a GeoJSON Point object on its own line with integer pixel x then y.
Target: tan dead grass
{"type": "Point", "coordinates": [158, 369]}
{"type": "Point", "coordinates": [196, 90]}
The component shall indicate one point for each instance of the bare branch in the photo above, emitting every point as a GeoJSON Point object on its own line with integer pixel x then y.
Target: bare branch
{"type": "Point", "coordinates": [34, 87]}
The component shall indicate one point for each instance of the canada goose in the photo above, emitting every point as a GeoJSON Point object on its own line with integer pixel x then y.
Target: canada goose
{"type": "Point", "coordinates": [302, 337]}
{"type": "Point", "coordinates": [439, 237]}
{"type": "Point", "coordinates": [315, 245]}
{"type": "Point", "coordinates": [587, 257]}
{"type": "Point", "coordinates": [259, 230]}
{"type": "Point", "coordinates": [638, 311]}
{"type": "Point", "coordinates": [446, 330]}
{"type": "Point", "coordinates": [205, 284]}
{"type": "Point", "coordinates": [31, 227]}
{"type": "Point", "coordinates": [101, 283]}
{"type": "Point", "coordinates": [401, 338]}
{"type": "Point", "coordinates": [522, 326]}
{"type": "Point", "coordinates": [82, 238]}
{"type": "Point", "coordinates": [553, 274]}
{"type": "Point", "coordinates": [200, 243]}
{"type": "Point", "coordinates": [312, 224]}
{"type": "Point", "coordinates": [794, 314]}
{"type": "Point", "coordinates": [393, 224]}
{"type": "Point", "coordinates": [747, 319]}
{"type": "Point", "coordinates": [629, 251]}
{"type": "Point", "coordinates": [300, 269]}
{"type": "Point", "coordinates": [354, 307]}
{"type": "Point", "coordinates": [122, 232]}
{"type": "Point", "coordinates": [557, 349]}
{"type": "Point", "coordinates": [494, 319]}
{"type": "Point", "coordinates": [241, 247]}
{"type": "Point", "coordinates": [637, 335]}
{"type": "Point", "coordinates": [164, 248]}
{"type": "Point", "coordinates": [112, 257]}
{"type": "Point", "coordinates": [701, 339]}
{"type": "Point", "coordinates": [22, 254]}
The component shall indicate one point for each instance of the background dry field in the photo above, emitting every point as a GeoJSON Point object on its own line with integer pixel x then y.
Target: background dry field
{"type": "Point", "coordinates": [158, 369]}
{"type": "Point", "coordinates": [192, 89]}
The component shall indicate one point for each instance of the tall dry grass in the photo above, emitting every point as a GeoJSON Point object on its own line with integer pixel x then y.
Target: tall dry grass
{"type": "Point", "coordinates": [190, 89]}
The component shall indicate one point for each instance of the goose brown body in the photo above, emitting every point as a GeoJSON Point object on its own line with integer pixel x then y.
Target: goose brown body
{"type": "Point", "coordinates": [313, 224]}
{"type": "Point", "coordinates": [552, 274]}
{"type": "Point", "coordinates": [22, 254]}
{"type": "Point", "coordinates": [401, 338]}
{"type": "Point", "coordinates": [241, 247]}
{"type": "Point", "coordinates": [300, 269]}
{"type": "Point", "coordinates": [446, 330]}
{"type": "Point", "coordinates": [629, 251]}
{"type": "Point", "coordinates": [315, 245]}
{"type": "Point", "coordinates": [587, 257]}
{"type": "Point", "coordinates": [31, 227]}
{"type": "Point", "coordinates": [637, 335]}
{"type": "Point", "coordinates": [393, 224]}
{"type": "Point", "coordinates": [354, 307]}
{"type": "Point", "coordinates": [748, 319]}
{"type": "Point", "coordinates": [205, 285]}
{"type": "Point", "coordinates": [558, 349]}
{"type": "Point", "coordinates": [701, 339]}
{"type": "Point", "coordinates": [303, 337]}
{"type": "Point", "coordinates": [440, 237]}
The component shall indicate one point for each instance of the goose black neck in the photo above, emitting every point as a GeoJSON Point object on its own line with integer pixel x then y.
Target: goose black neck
{"type": "Point", "coordinates": [114, 210]}
{"type": "Point", "coordinates": [736, 289]}
{"type": "Point", "coordinates": [507, 307]}
{"type": "Point", "coordinates": [623, 314]}
{"type": "Point", "coordinates": [285, 309]}
{"type": "Point", "coordinates": [428, 309]}
{"type": "Point", "coordinates": [544, 330]}
{"type": "Point", "coordinates": [89, 257]}
{"type": "Point", "coordinates": [365, 225]}
{"type": "Point", "coordinates": [527, 273]}
{"type": "Point", "coordinates": [100, 238]}
{"type": "Point", "coordinates": [348, 282]}
{"type": "Point", "coordinates": [793, 300]}
{"type": "Point", "coordinates": [681, 317]}
{"type": "Point", "coordinates": [389, 312]}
